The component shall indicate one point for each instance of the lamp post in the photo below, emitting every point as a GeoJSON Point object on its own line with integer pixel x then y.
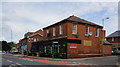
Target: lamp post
{"type": "Point", "coordinates": [11, 35]}
{"type": "Point", "coordinates": [103, 20]}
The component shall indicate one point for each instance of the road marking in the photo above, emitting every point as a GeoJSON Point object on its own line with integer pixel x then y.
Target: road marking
{"type": "Point", "coordinates": [72, 64]}
{"type": "Point", "coordinates": [9, 61]}
{"type": "Point", "coordinates": [30, 60]}
{"type": "Point", "coordinates": [18, 64]}
{"type": "Point", "coordinates": [13, 65]}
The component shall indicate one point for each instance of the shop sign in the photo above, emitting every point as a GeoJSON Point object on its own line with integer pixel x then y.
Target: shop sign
{"type": "Point", "coordinates": [55, 42]}
{"type": "Point", "coordinates": [24, 47]}
{"type": "Point", "coordinates": [87, 43]}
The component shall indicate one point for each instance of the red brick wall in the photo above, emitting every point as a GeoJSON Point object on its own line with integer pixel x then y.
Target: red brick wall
{"type": "Point", "coordinates": [107, 50]}
{"type": "Point", "coordinates": [29, 41]}
{"type": "Point", "coordinates": [40, 32]}
{"type": "Point", "coordinates": [116, 39]}
{"type": "Point", "coordinates": [95, 48]}
{"type": "Point", "coordinates": [72, 52]}
{"type": "Point", "coordinates": [81, 50]}
{"type": "Point", "coordinates": [64, 25]}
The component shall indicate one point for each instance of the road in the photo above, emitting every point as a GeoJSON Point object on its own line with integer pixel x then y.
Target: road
{"type": "Point", "coordinates": [108, 60]}
{"type": "Point", "coordinates": [11, 61]}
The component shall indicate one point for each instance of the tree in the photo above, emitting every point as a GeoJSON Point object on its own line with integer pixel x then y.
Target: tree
{"type": "Point", "coordinates": [10, 45]}
{"type": "Point", "coordinates": [4, 46]}
{"type": "Point", "coordinates": [7, 46]}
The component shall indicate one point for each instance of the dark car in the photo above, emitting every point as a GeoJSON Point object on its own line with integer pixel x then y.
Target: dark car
{"type": "Point", "coordinates": [116, 51]}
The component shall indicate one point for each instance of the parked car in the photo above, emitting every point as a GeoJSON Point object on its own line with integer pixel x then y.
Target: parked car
{"type": "Point", "coordinates": [14, 52]}
{"type": "Point", "coordinates": [116, 51]}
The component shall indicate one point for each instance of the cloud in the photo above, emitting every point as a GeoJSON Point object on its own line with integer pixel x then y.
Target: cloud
{"type": "Point", "coordinates": [60, 0]}
{"type": "Point", "coordinates": [31, 16]}
{"type": "Point", "coordinates": [119, 15]}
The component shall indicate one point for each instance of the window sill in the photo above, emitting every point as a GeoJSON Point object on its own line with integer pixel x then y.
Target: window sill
{"type": "Point", "coordinates": [96, 36]}
{"type": "Point", "coordinates": [73, 33]}
{"type": "Point", "coordinates": [86, 35]}
{"type": "Point", "coordinates": [60, 34]}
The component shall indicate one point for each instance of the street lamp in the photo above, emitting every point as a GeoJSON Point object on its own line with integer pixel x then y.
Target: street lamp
{"type": "Point", "coordinates": [103, 20]}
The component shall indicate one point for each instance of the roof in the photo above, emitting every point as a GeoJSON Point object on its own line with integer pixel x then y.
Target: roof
{"type": "Point", "coordinates": [106, 43]}
{"type": "Point", "coordinates": [39, 31]}
{"type": "Point", "coordinates": [75, 19]}
{"type": "Point", "coordinates": [115, 34]}
{"type": "Point", "coordinates": [35, 34]}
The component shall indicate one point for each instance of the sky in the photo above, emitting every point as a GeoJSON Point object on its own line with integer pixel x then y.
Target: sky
{"type": "Point", "coordinates": [23, 17]}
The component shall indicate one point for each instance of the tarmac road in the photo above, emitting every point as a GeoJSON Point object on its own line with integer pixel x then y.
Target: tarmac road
{"type": "Point", "coordinates": [11, 61]}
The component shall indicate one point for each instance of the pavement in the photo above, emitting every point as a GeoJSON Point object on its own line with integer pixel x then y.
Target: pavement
{"type": "Point", "coordinates": [107, 61]}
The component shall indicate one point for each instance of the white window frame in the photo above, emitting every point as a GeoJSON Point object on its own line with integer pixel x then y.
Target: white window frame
{"type": "Point", "coordinates": [34, 39]}
{"type": "Point", "coordinates": [74, 30]}
{"type": "Point", "coordinates": [60, 29]}
{"type": "Point", "coordinates": [47, 31]}
{"type": "Point", "coordinates": [87, 32]}
{"type": "Point", "coordinates": [29, 39]}
{"type": "Point", "coordinates": [54, 31]}
{"type": "Point", "coordinates": [37, 39]}
{"type": "Point", "coordinates": [97, 32]}
{"type": "Point", "coordinates": [113, 38]}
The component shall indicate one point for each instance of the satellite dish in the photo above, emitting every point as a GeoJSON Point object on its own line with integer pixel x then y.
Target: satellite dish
{"type": "Point", "coordinates": [77, 36]}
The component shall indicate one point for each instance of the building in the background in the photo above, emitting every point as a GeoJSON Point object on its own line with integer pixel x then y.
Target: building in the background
{"type": "Point", "coordinates": [24, 45]}
{"type": "Point", "coordinates": [71, 38]}
{"type": "Point", "coordinates": [114, 39]}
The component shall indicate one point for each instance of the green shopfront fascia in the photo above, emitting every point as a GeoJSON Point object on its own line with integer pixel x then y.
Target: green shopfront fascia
{"type": "Point", "coordinates": [56, 48]}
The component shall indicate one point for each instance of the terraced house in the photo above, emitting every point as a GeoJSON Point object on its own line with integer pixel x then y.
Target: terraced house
{"type": "Point", "coordinates": [72, 37]}
{"type": "Point", "coordinates": [25, 44]}
{"type": "Point", "coordinates": [114, 39]}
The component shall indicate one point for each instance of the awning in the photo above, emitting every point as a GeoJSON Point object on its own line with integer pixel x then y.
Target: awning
{"type": "Point", "coordinates": [59, 40]}
{"type": "Point", "coordinates": [106, 43]}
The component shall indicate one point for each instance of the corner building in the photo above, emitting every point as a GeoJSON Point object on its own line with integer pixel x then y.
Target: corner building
{"type": "Point", "coordinates": [72, 37]}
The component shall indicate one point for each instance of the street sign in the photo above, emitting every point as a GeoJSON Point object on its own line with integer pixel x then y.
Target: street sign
{"type": "Point", "coordinates": [55, 42]}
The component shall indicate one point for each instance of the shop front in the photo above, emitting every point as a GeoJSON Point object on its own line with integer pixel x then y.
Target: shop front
{"type": "Point", "coordinates": [56, 48]}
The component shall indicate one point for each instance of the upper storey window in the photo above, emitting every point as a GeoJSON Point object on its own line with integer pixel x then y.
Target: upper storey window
{"type": "Point", "coordinates": [97, 32]}
{"type": "Point", "coordinates": [47, 33]}
{"type": "Point", "coordinates": [113, 39]}
{"type": "Point", "coordinates": [54, 31]}
{"type": "Point", "coordinates": [87, 30]}
{"type": "Point", "coordinates": [74, 28]}
{"type": "Point", "coordinates": [60, 29]}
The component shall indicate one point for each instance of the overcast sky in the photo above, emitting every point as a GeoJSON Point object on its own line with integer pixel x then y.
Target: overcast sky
{"type": "Point", "coordinates": [22, 17]}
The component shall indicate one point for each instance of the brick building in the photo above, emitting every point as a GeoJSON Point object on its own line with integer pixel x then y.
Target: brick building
{"type": "Point", "coordinates": [24, 45]}
{"type": "Point", "coordinates": [114, 39]}
{"type": "Point", "coordinates": [71, 38]}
